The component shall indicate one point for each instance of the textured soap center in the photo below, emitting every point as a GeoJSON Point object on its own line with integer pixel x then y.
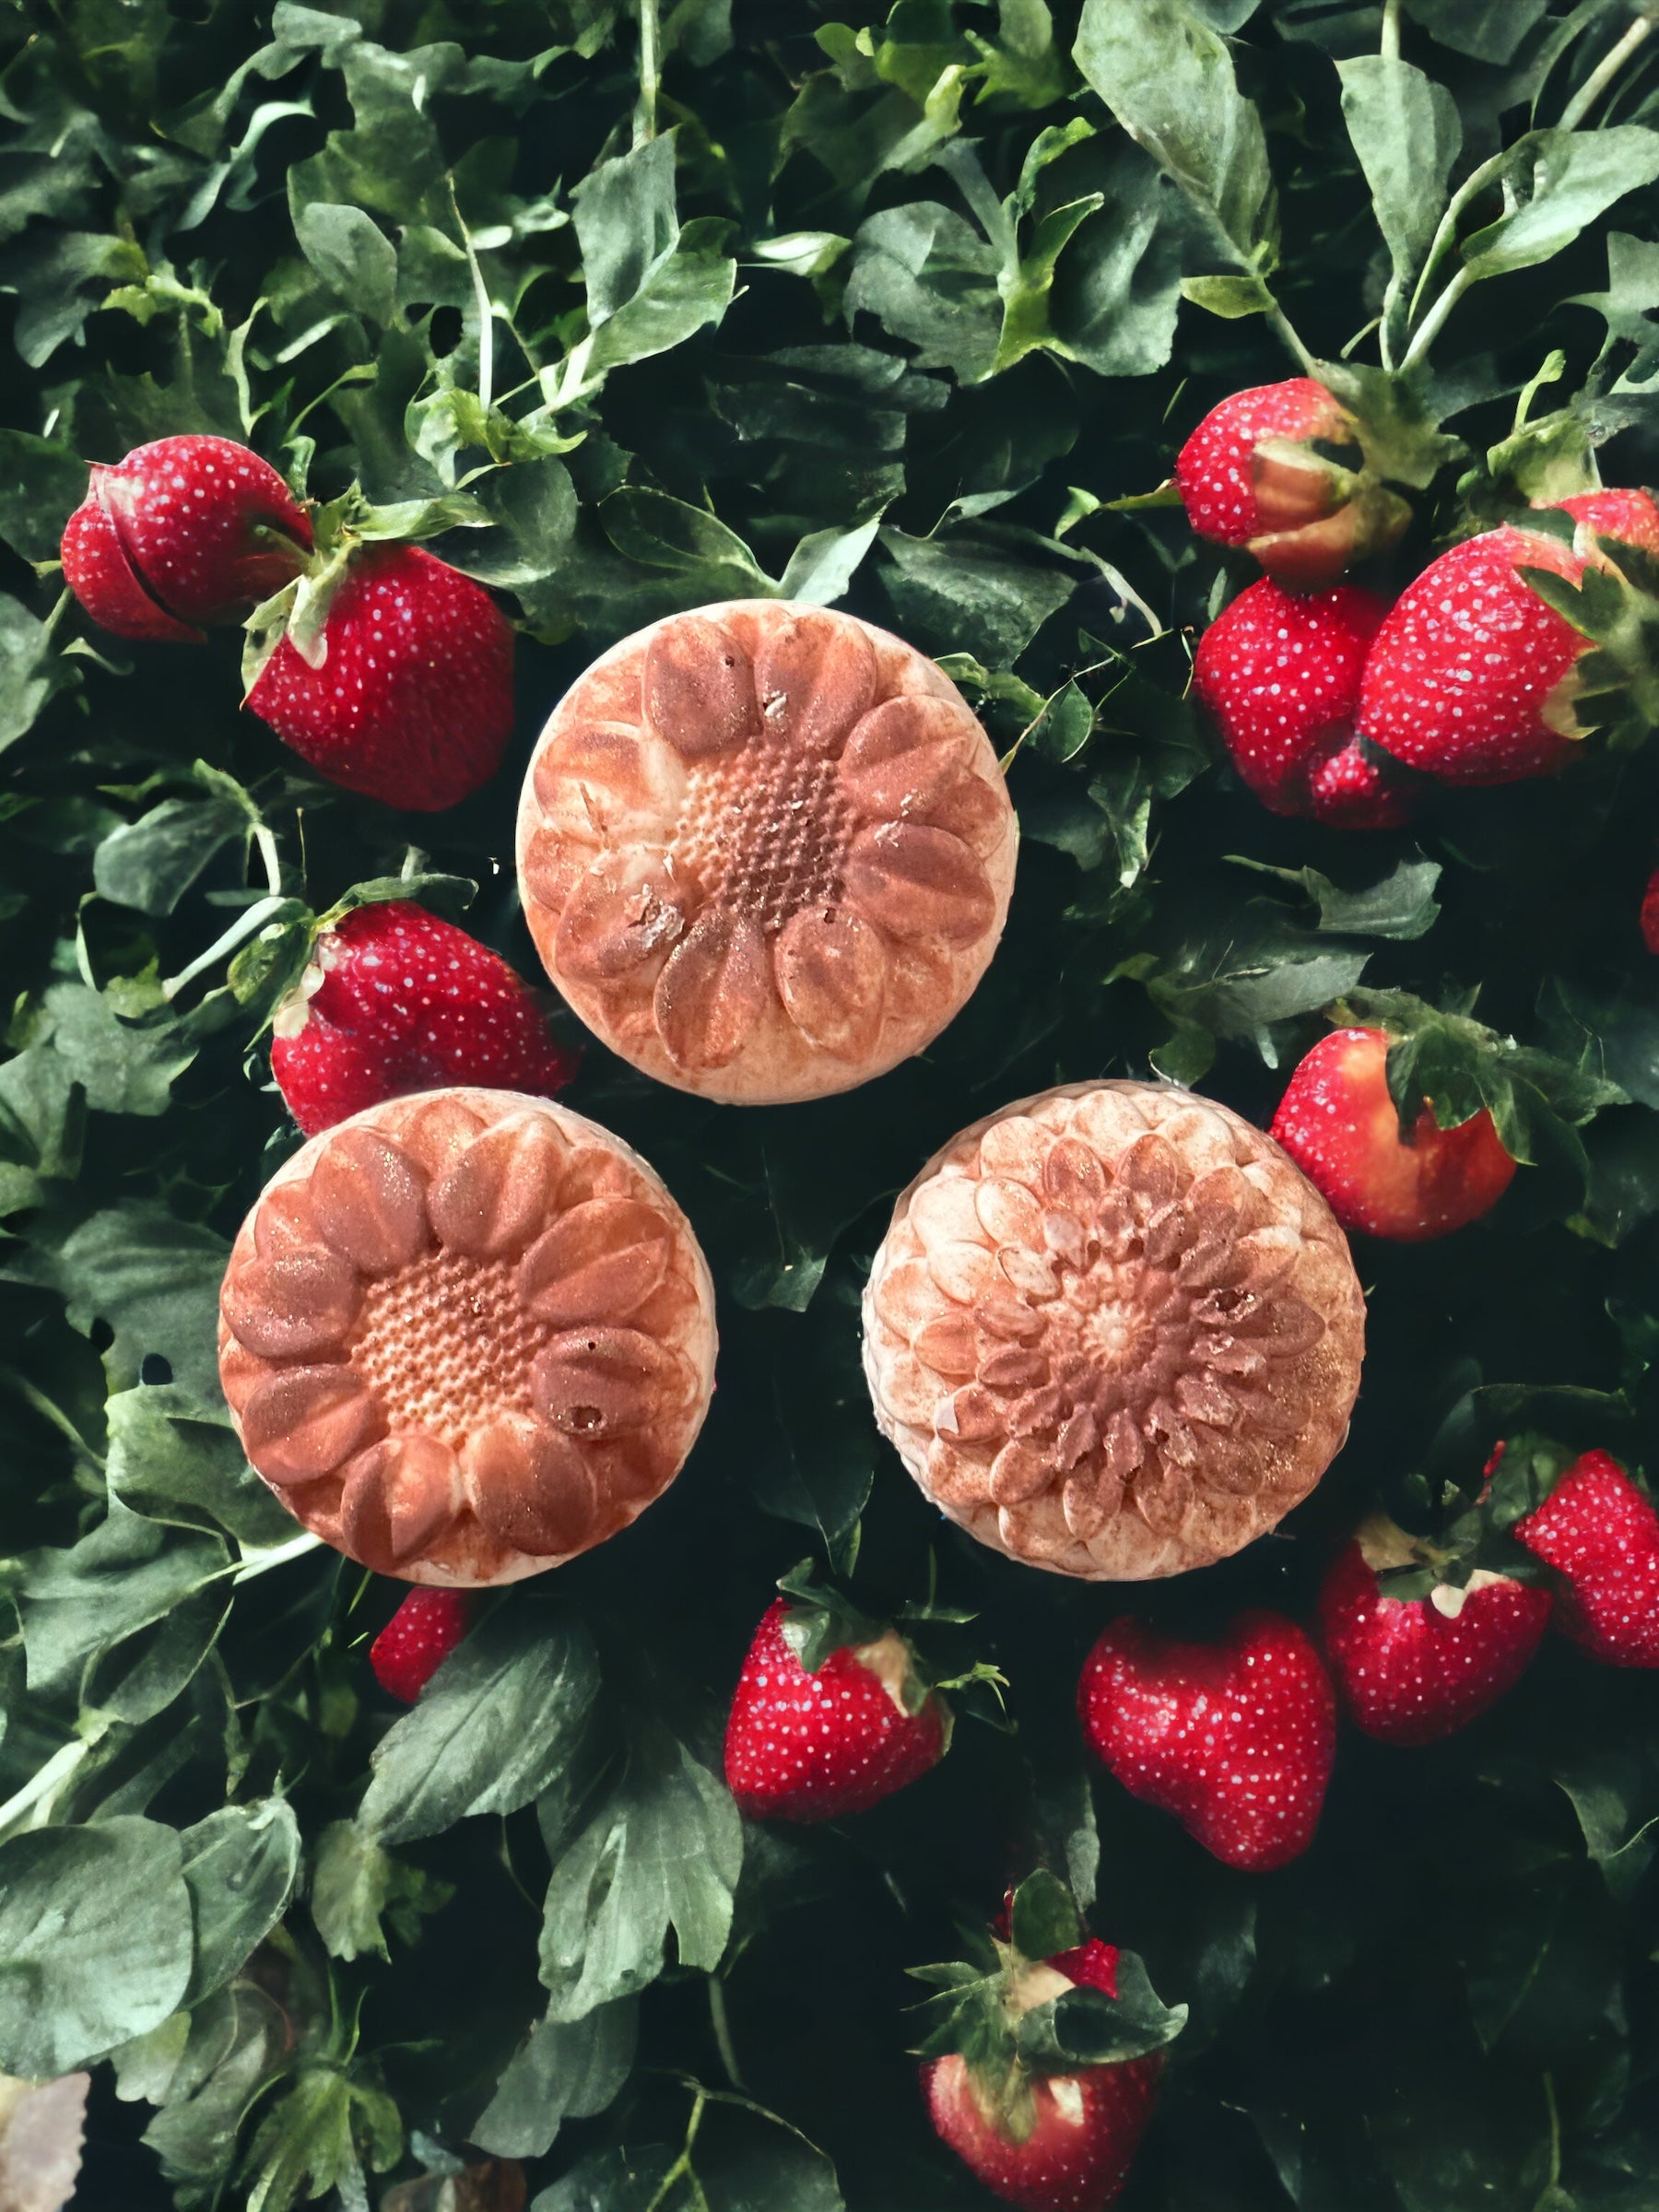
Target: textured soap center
{"type": "Point", "coordinates": [445, 1344]}
{"type": "Point", "coordinates": [765, 831]}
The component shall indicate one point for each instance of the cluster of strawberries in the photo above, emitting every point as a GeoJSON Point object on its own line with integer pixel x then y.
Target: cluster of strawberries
{"type": "Point", "coordinates": [1332, 703]}
{"type": "Point", "coordinates": [390, 671]}
{"type": "Point", "coordinates": [1236, 1738]}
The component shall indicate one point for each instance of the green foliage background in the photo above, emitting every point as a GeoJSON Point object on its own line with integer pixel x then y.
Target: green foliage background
{"type": "Point", "coordinates": [879, 310]}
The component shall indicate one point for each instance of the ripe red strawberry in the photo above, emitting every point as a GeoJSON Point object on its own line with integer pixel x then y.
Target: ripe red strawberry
{"type": "Point", "coordinates": [1048, 2119]}
{"type": "Point", "coordinates": [811, 1744]}
{"type": "Point", "coordinates": [1649, 913]}
{"type": "Point", "coordinates": [1280, 675]}
{"type": "Point", "coordinates": [1249, 476]}
{"type": "Point", "coordinates": [1601, 1535]}
{"type": "Point", "coordinates": [1473, 677]}
{"type": "Point", "coordinates": [412, 700]}
{"type": "Point", "coordinates": [1411, 1670]}
{"type": "Point", "coordinates": [1085, 2126]}
{"type": "Point", "coordinates": [395, 1000]}
{"type": "Point", "coordinates": [1338, 1122]}
{"type": "Point", "coordinates": [1235, 1738]}
{"type": "Point", "coordinates": [1613, 518]}
{"type": "Point", "coordinates": [184, 531]}
{"type": "Point", "coordinates": [418, 1640]}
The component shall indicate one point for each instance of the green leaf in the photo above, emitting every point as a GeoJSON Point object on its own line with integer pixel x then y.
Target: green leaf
{"type": "Point", "coordinates": [664, 533]}
{"type": "Point", "coordinates": [149, 865]}
{"type": "Point", "coordinates": [660, 1850]}
{"type": "Point", "coordinates": [79, 1605]}
{"type": "Point", "coordinates": [353, 257]}
{"type": "Point", "coordinates": [172, 1458]}
{"type": "Point", "coordinates": [568, 2070]}
{"type": "Point", "coordinates": [1085, 2027]}
{"type": "Point", "coordinates": [122, 1065]}
{"type": "Point", "coordinates": [958, 586]}
{"type": "Point", "coordinates": [43, 481]}
{"type": "Point", "coordinates": [1613, 1793]}
{"type": "Point", "coordinates": [240, 1866]}
{"type": "Point", "coordinates": [1563, 180]}
{"type": "Point", "coordinates": [356, 1886]}
{"type": "Point", "coordinates": [322, 2129]}
{"type": "Point", "coordinates": [1169, 80]}
{"type": "Point", "coordinates": [1406, 131]}
{"type": "Point", "coordinates": [1487, 30]}
{"type": "Point", "coordinates": [153, 1280]}
{"type": "Point", "coordinates": [498, 1720]}
{"type": "Point", "coordinates": [1043, 1918]}
{"type": "Point", "coordinates": [95, 1941]}
{"type": "Point", "coordinates": [30, 671]}
{"type": "Point", "coordinates": [1400, 905]}
{"type": "Point", "coordinates": [824, 562]}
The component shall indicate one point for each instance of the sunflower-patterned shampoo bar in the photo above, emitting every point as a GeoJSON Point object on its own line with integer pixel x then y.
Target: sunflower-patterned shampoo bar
{"type": "Point", "coordinates": [765, 850]}
{"type": "Point", "coordinates": [465, 1335]}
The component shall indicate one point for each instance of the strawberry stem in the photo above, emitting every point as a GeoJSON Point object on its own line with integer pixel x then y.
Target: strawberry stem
{"type": "Point", "coordinates": [650, 71]}
{"type": "Point", "coordinates": [1606, 70]}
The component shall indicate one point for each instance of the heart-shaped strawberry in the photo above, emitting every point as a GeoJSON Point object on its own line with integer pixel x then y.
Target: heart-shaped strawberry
{"type": "Point", "coordinates": [1235, 1738]}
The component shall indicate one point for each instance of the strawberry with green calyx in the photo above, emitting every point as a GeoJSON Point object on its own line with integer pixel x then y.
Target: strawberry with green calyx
{"type": "Point", "coordinates": [1587, 1519]}
{"type": "Point", "coordinates": [1338, 1122]}
{"type": "Point", "coordinates": [392, 999]}
{"type": "Point", "coordinates": [1418, 1641]}
{"type": "Point", "coordinates": [1252, 475]}
{"type": "Point", "coordinates": [832, 1712]}
{"type": "Point", "coordinates": [1515, 645]}
{"type": "Point", "coordinates": [418, 1637]}
{"type": "Point", "coordinates": [1042, 2064]}
{"type": "Point", "coordinates": [1236, 1738]}
{"type": "Point", "coordinates": [184, 531]}
{"type": "Point", "coordinates": [383, 667]}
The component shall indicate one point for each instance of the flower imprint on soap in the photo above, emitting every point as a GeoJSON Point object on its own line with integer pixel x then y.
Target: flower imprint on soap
{"type": "Point", "coordinates": [774, 840]}
{"type": "Point", "coordinates": [476, 1358]}
{"type": "Point", "coordinates": [1099, 1335]}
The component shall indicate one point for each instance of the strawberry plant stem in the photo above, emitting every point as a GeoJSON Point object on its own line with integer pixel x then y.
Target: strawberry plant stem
{"type": "Point", "coordinates": [1606, 70]}
{"type": "Point", "coordinates": [651, 70]}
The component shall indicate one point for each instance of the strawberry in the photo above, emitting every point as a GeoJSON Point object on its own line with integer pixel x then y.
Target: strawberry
{"type": "Point", "coordinates": [1249, 476]}
{"type": "Point", "coordinates": [1235, 1738]}
{"type": "Point", "coordinates": [1339, 1125]}
{"type": "Point", "coordinates": [1413, 1669]}
{"type": "Point", "coordinates": [1473, 677]}
{"type": "Point", "coordinates": [418, 1640]}
{"type": "Point", "coordinates": [821, 1725]}
{"type": "Point", "coordinates": [395, 1000]}
{"type": "Point", "coordinates": [409, 696]}
{"type": "Point", "coordinates": [1649, 913]}
{"type": "Point", "coordinates": [1047, 2109]}
{"type": "Point", "coordinates": [1601, 1535]}
{"type": "Point", "coordinates": [184, 531]}
{"type": "Point", "coordinates": [1280, 675]}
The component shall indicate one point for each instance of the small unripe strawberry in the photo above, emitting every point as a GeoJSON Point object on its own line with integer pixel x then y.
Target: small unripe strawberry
{"type": "Point", "coordinates": [1340, 1125]}
{"type": "Point", "coordinates": [184, 531]}
{"type": "Point", "coordinates": [1249, 476]}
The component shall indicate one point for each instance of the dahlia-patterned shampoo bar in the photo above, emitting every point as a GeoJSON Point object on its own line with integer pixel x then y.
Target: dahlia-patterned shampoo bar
{"type": "Point", "coordinates": [1114, 1331]}
{"type": "Point", "coordinates": [765, 850]}
{"type": "Point", "coordinates": [465, 1335]}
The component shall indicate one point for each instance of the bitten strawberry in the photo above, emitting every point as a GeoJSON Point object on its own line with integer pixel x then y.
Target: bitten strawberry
{"type": "Point", "coordinates": [1473, 677]}
{"type": "Point", "coordinates": [1235, 1738]}
{"type": "Point", "coordinates": [1011, 2088]}
{"type": "Point", "coordinates": [184, 531]}
{"type": "Point", "coordinates": [395, 1000]}
{"type": "Point", "coordinates": [1411, 1670]}
{"type": "Point", "coordinates": [411, 699]}
{"type": "Point", "coordinates": [832, 1728]}
{"type": "Point", "coordinates": [418, 1640]}
{"type": "Point", "coordinates": [1249, 476]}
{"type": "Point", "coordinates": [1601, 1535]}
{"type": "Point", "coordinates": [1339, 1125]}
{"type": "Point", "coordinates": [1280, 675]}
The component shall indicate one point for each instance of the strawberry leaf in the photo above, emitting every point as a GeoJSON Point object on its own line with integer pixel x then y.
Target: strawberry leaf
{"type": "Point", "coordinates": [1086, 2028]}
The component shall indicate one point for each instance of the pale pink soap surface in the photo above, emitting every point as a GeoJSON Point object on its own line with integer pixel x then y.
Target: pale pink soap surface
{"type": "Point", "coordinates": [1113, 1331]}
{"type": "Point", "coordinates": [465, 1335]}
{"type": "Point", "coordinates": [765, 850]}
